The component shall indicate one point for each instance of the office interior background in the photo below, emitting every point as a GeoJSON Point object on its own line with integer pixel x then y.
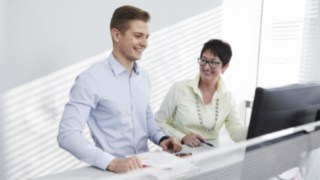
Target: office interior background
{"type": "Point", "coordinates": [44, 44]}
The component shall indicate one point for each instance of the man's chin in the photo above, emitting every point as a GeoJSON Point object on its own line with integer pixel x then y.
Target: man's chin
{"type": "Point", "coordinates": [136, 58]}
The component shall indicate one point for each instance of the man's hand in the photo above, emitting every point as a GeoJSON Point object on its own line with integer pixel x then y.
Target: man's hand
{"type": "Point", "coordinates": [171, 143]}
{"type": "Point", "coordinates": [192, 140]}
{"type": "Point", "coordinates": [124, 165]}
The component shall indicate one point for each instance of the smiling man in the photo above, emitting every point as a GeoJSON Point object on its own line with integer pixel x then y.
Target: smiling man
{"type": "Point", "coordinates": [112, 97]}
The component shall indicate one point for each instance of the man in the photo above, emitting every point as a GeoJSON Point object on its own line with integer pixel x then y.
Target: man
{"type": "Point", "coordinates": [112, 97]}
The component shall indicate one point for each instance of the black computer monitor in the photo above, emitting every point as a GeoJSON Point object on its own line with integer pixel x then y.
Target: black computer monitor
{"type": "Point", "coordinates": [279, 108]}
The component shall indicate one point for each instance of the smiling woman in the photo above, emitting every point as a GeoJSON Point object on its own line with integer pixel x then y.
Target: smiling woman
{"type": "Point", "coordinates": [195, 110]}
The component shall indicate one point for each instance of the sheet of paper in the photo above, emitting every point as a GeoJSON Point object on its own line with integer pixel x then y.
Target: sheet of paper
{"type": "Point", "coordinates": [161, 163]}
{"type": "Point", "coordinates": [159, 159]}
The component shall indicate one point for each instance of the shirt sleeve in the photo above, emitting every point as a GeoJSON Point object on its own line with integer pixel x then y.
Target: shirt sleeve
{"type": "Point", "coordinates": [74, 118]}
{"type": "Point", "coordinates": [233, 125]}
{"type": "Point", "coordinates": [166, 112]}
{"type": "Point", "coordinates": [153, 129]}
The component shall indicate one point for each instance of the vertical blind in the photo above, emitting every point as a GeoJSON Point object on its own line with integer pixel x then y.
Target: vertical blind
{"type": "Point", "coordinates": [289, 42]}
{"type": "Point", "coordinates": [310, 55]}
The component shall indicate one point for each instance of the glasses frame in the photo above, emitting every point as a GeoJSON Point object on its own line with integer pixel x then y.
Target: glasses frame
{"type": "Point", "coordinates": [211, 63]}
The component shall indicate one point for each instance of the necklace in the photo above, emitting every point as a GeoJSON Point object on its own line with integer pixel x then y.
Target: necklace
{"type": "Point", "coordinates": [200, 115]}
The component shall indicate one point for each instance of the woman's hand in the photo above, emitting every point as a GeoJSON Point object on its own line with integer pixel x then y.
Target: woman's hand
{"type": "Point", "coordinates": [192, 140]}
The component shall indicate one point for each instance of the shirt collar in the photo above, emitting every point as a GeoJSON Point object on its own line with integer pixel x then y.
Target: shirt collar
{"type": "Point", "coordinates": [222, 88]}
{"type": "Point", "coordinates": [117, 68]}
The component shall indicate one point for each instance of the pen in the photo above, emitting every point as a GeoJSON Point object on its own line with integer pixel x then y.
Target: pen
{"type": "Point", "coordinates": [209, 144]}
{"type": "Point", "coordinates": [183, 154]}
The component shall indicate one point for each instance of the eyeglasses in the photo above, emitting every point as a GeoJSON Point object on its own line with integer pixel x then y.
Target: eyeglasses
{"type": "Point", "coordinates": [212, 64]}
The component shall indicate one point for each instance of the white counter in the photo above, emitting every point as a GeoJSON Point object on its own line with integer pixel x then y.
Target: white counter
{"type": "Point", "coordinates": [92, 173]}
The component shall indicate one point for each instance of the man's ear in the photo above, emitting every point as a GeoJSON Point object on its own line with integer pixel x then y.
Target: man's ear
{"type": "Point", "coordinates": [115, 33]}
{"type": "Point", "coordinates": [225, 67]}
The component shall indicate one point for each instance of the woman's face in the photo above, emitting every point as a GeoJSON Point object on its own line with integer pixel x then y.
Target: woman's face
{"type": "Point", "coordinates": [211, 73]}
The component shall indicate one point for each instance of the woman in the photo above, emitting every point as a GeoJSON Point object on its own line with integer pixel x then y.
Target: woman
{"type": "Point", "coordinates": [195, 110]}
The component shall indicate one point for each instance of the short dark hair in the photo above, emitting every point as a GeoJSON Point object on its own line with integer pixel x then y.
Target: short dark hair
{"type": "Point", "coordinates": [122, 15]}
{"type": "Point", "coordinates": [218, 48]}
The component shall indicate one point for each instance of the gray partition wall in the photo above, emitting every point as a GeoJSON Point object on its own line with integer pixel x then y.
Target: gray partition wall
{"type": "Point", "coordinates": [289, 154]}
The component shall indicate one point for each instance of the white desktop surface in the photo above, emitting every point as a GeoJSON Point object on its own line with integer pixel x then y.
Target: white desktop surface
{"type": "Point", "coordinates": [92, 173]}
{"type": "Point", "coordinates": [230, 161]}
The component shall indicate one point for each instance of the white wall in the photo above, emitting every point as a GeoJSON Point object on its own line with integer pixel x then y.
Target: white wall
{"type": "Point", "coordinates": [47, 35]}
{"type": "Point", "coordinates": [240, 27]}
{"type": "Point", "coordinates": [3, 43]}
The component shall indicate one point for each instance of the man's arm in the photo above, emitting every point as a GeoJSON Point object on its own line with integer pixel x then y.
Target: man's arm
{"type": "Point", "coordinates": [165, 114]}
{"type": "Point", "coordinates": [158, 137]}
{"type": "Point", "coordinates": [124, 165]}
{"type": "Point", "coordinates": [73, 121]}
{"type": "Point", "coordinates": [170, 143]}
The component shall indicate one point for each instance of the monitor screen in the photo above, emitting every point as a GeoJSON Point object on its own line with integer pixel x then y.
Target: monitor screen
{"type": "Point", "coordinates": [279, 108]}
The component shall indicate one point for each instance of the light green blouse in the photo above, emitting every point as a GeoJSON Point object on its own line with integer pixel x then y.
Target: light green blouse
{"type": "Point", "coordinates": [179, 116]}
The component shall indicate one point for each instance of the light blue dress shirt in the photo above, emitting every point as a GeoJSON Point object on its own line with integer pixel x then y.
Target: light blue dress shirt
{"type": "Point", "coordinates": [115, 105]}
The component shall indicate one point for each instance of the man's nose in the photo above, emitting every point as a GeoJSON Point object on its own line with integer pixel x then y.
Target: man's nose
{"type": "Point", "coordinates": [144, 42]}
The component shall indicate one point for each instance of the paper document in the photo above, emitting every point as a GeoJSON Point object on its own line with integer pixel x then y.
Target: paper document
{"type": "Point", "coordinates": [163, 163]}
{"type": "Point", "coordinates": [158, 159]}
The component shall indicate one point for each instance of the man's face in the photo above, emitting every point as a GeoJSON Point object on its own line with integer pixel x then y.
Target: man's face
{"type": "Point", "coordinates": [134, 41]}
